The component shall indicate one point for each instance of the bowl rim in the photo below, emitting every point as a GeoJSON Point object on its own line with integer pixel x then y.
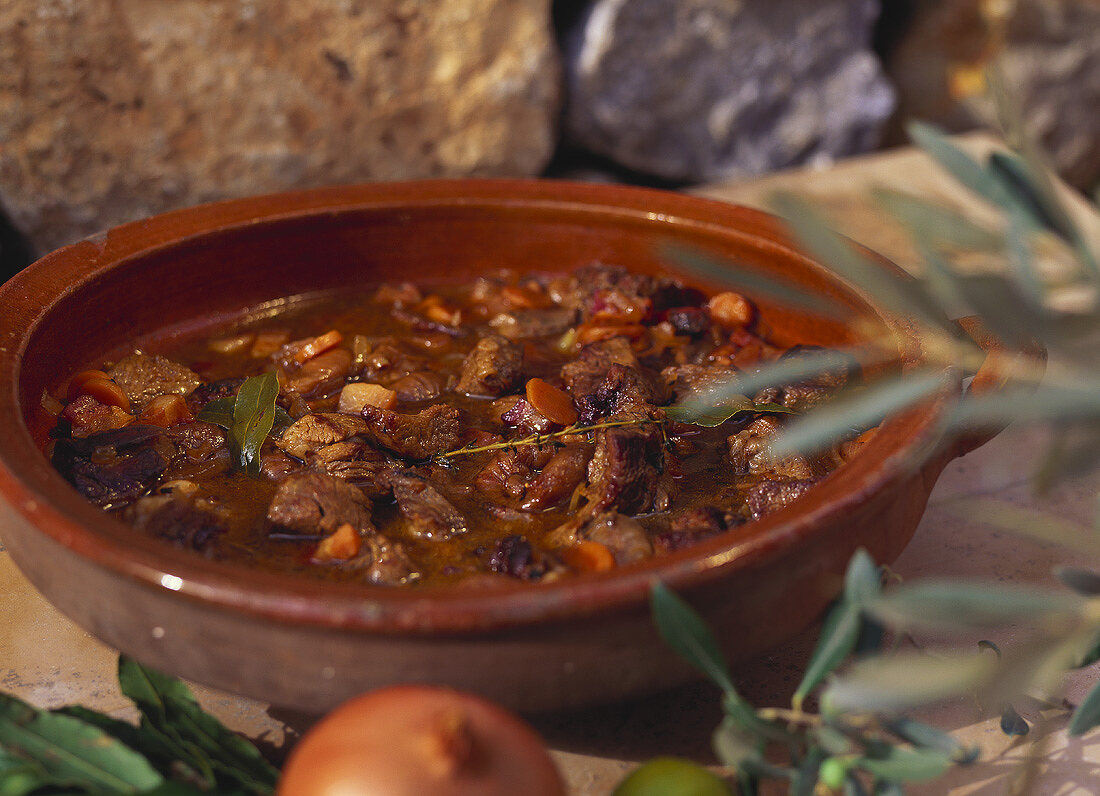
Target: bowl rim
{"type": "Point", "coordinates": [41, 496]}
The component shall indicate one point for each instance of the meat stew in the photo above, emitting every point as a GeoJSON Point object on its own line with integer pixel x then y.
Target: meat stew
{"type": "Point", "coordinates": [513, 428]}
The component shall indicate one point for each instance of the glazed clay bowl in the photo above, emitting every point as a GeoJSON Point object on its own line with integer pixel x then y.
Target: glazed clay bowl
{"type": "Point", "coordinates": [307, 644]}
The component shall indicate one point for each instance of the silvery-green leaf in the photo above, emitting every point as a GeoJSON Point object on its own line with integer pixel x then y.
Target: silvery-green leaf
{"type": "Point", "coordinates": [813, 431]}
{"type": "Point", "coordinates": [1012, 723]}
{"type": "Point", "coordinates": [751, 281]}
{"type": "Point", "coordinates": [926, 736]}
{"type": "Point", "coordinates": [1083, 581]}
{"type": "Point", "coordinates": [1031, 203]}
{"type": "Point", "coordinates": [733, 746]}
{"type": "Point", "coordinates": [958, 163]}
{"type": "Point", "coordinates": [838, 637]}
{"type": "Point", "coordinates": [907, 765]}
{"type": "Point", "coordinates": [688, 636]}
{"type": "Point", "coordinates": [1088, 654]}
{"type": "Point", "coordinates": [953, 605]}
{"type": "Point", "coordinates": [862, 579]}
{"type": "Point", "coordinates": [905, 680]}
{"type": "Point", "coordinates": [1040, 525]}
{"type": "Point", "coordinates": [1019, 254]}
{"type": "Point", "coordinates": [935, 222]}
{"type": "Point", "coordinates": [1087, 714]}
{"type": "Point", "coordinates": [901, 295]}
{"type": "Point", "coordinates": [789, 370]}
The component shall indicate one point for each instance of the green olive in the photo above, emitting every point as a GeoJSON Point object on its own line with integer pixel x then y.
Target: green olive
{"type": "Point", "coordinates": [834, 771]}
{"type": "Point", "coordinates": [672, 776]}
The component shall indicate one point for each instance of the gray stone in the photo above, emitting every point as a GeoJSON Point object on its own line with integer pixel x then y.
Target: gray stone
{"type": "Point", "coordinates": [1051, 61]}
{"type": "Point", "coordinates": [699, 90]}
{"type": "Point", "coordinates": [112, 110]}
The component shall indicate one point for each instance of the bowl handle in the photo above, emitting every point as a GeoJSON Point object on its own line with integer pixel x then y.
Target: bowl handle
{"type": "Point", "coordinates": [990, 376]}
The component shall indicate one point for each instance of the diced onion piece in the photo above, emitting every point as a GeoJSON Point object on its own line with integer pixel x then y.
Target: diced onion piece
{"type": "Point", "coordinates": [106, 392]}
{"type": "Point", "coordinates": [50, 404]}
{"type": "Point", "coordinates": [232, 345]}
{"type": "Point", "coordinates": [730, 309]}
{"type": "Point", "coordinates": [553, 404]}
{"type": "Point", "coordinates": [589, 556]}
{"type": "Point", "coordinates": [165, 411]}
{"type": "Point", "coordinates": [318, 345]}
{"type": "Point", "coordinates": [342, 544]}
{"type": "Point", "coordinates": [77, 382]}
{"type": "Point", "coordinates": [267, 343]}
{"type": "Point", "coordinates": [356, 395]}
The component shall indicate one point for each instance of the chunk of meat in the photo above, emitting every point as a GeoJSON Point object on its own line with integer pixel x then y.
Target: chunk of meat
{"type": "Point", "coordinates": [143, 377]}
{"type": "Point", "coordinates": [695, 381]}
{"type": "Point", "coordinates": [356, 461]}
{"type": "Point", "coordinates": [810, 392]}
{"type": "Point", "coordinates": [769, 496]}
{"type": "Point", "coordinates": [524, 417]}
{"type": "Point", "coordinates": [515, 556]}
{"type": "Point", "coordinates": [691, 525]}
{"type": "Point", "coordinates": [178, 515]}
{"type": "Point", "coordinates": [212, 391]}
{"type": "Point", "coordinates": [319, 375]}
{"type": "Point", "coordinates": [748, 453]}
{"type": "Point", "coordinates": [533, 478]}
{"type": "Point", "coordinates": [112, 467]}
{"type": "Point", "coordinates": [624, 473]}
{"type": "Point", "coordinates": [558, 479]}
{"type": "Point", "coordinates": [622, 395]}
{"type": "Point", "coordinates": [198, 441]}
{"type": "Point", "coordinates": [88, 416]}
{"type": "Point", "coordinates": [583, 375]}
{"type": "Point", "coordinates": [623, 536]}
{"type": "Point", "coordinates": [424, 385]}
{"type": "Point", "coordinates": [313, 432]}
{"type": "Point", "coordinates": [429, 432]}
{"type": "Point", "coordinates": [318, 503]}
{"type": "Point", "coordinates": [527, 324]}
{"type": "Point", "coordinates": [384, 562]}
{"type": "Point", "coordinates": [493, 367]}
{"type": "Point", "coordinates": [428, 514]}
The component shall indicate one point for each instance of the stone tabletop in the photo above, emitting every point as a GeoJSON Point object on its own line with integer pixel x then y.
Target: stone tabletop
{"type": "Point", "coordinates": [47, 660]}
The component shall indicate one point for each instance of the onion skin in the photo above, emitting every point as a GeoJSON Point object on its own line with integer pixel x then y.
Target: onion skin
{"type": "Point", "coordinates": [411, 740]}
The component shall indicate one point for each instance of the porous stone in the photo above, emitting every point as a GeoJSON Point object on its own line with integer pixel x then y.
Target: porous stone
{"type": "Point", "coordinates": [112, 110]}
{"type": "Point", "coordinates": [699, 90]}
{"type": "Point", "coordinates": [1051, 61]}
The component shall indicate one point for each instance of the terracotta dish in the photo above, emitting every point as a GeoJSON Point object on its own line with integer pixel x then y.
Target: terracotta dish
{"type": "Point", "coordinates": [307, 644]}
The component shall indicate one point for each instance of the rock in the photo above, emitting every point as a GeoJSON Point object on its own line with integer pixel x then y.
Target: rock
{"type": "Point", "coordinates": [112, 110]}
{"type": "Point", "coordinates": [1051, 60]}
{"type": "Point", "coordinates": [699, 90]}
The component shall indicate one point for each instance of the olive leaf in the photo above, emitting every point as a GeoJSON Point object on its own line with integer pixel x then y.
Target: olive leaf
{"type": "Point", "coordinates": [730, 407]}
{"type": "Point", "coordinates": [942, 224]}
{"type": "Point", "coordinates": [905, 680]}
{"type": "Point", "coordinates": [688, 636]}
{"type": "Point", "coordinates": [70, 751]}
{"type": "Point", "coordinates": [842, 626]}
{"type": "Point", "coordinates": [816, 430]}
{"type": "Point", "coordinates": [1085, 582]}
{"type": "Point", "coordinates": [925, 736]}
{"type": "Point", "coordinates": [961, 605]}
{"type": "Point", "coordinates": [907, 765]}
{"type": "Point", "coordinates": [1087, 714]}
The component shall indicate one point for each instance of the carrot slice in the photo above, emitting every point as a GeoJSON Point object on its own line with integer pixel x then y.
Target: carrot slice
{"type": "Point", "coordinates": [76, 382]}
{"type": "Point", "coordinates": [318, 345]}
{"type": "Point", "coordinates": [342, 544]}
{"type": "Point", "coordinates": [553, 404]}
{"type": "Point", "coordinates": [589, 556]}
{"type": "Point", "coordinates": [106, 392]}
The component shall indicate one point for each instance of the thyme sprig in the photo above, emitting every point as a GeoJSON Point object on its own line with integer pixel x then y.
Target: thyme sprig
{"type": "Point", "coordinates": [551, 436]}
{"type": "Point", "coordinates": [708, 417]}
